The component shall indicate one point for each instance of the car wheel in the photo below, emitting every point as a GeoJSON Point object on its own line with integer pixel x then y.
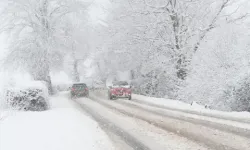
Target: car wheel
{"type": "Point", "coordinates": [110, 97]}
{"type": "Point", "coordinates": [130, 97]}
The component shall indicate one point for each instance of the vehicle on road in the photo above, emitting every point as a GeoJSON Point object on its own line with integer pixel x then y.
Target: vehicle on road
{"type": "Point", "coordinates": [120, 89]}
{"type": "Point", "coordinates": [79, 90]}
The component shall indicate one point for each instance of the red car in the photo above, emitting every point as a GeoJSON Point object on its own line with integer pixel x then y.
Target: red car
{"type": "Point", "coordinates": [120, 89]}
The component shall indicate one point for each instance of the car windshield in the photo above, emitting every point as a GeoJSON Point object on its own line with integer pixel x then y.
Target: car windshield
{"type": "Point", "coordinates": [79, 86]}
{"type": "Point", "coordinates": [120, 83]}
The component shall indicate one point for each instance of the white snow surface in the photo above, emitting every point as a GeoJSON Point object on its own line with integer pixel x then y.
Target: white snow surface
{"type": "Point", "coordinates": [64, 127]}
{"type": "Point", "coordinates": [175, 104]}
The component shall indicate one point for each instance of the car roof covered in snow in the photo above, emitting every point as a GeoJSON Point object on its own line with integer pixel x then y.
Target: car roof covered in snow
{"type": "Point", "coordinates": [120, 83]}
{"type": "Point", "coordinates": [79, 84]}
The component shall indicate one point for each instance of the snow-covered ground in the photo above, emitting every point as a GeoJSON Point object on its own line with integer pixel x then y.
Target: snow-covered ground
{"type": "Point", "coordinates": [143, 134]}
{"type": "Point", "coordinates": [64, 127]}
{"type": "Point", "coordinates": [178, 105]}
{"type": "Point", "coordinates": [209, 133]}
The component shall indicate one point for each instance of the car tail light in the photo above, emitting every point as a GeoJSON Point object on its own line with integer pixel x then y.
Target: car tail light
{"type": "Point", "coordinates": [73, 89]}
{"type": "Point", "coordinates": [86, 89]}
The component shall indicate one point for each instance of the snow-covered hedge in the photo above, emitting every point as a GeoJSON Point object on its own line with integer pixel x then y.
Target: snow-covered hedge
{"type": "Point", "coordinates": [32, 96]}
{"type": "Point", "coordinates": [237, 96]}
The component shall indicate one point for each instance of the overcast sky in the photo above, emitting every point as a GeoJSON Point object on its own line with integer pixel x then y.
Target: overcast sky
{"type": "Point", "coordinates": [2, 46]}
{"type": "Point", "coordinates": [3, 40]}
{"type": "Point", "coordinates": [96, 12]}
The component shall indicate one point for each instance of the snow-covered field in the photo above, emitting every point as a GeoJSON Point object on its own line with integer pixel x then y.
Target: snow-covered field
{"type": "Point", "coordinates": [195, 108]}
{"type": "Point", "coordinates": [64, 127]}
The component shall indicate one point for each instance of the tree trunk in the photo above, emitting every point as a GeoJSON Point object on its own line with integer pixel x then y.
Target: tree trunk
{"type": "Point", "coordinates": [181, 67]}
{"type": "Point", "coordinates": [181, 63]}
{"type": "Point", "coordinates": [44, 71]}
{"type": "Point", "coordinates": [48, 82]}
{"type": "Point", "coordinates": [49, 85]}
{"type": "Point", "coordinates": [76, 75]}
{"type": "Point", "coordinates": [41, 70]}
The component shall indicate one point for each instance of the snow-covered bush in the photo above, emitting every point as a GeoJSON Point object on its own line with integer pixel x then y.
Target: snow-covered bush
{"type": "Point", "coordinates": [157, 83]}
{"type": "Point", "coordinates": [238, 95]}
{"type": "Point", "coordinates": [31, 97]}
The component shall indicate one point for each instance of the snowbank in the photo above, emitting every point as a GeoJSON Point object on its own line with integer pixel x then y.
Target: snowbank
{"type": "Point", "coordinates": [196, 108]}
{"type": "Point", "coordinates": [31, 85]}
{"type": "Point", "coordinates": [62, 128]}
{"type": "Point", "coordinates": [17, 82]}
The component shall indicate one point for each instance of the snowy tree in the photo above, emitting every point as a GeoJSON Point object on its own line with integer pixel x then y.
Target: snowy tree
{"type": "Point", "coordinates": [32, 25]}
{"type": "Point", "coordinates": [219, 67]}
{"type": "Point", "coordinates": [166, 35]}
{"type": "Point", "coordinates": [183, 25]}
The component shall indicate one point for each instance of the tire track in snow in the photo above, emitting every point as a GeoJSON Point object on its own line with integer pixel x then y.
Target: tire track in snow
{"type": "Point", "coordinates": [154, 138]}
{"type": "Point", "coordinates": [236, 126]}
{"type": "Point", "coordinates": [206, 114]}
{"type": "Point", "coordinates": [109, 126]}
{"type": "Point", "coordinates": [119, 143]}
{"type": "Point", "coordinates": [194, 112]}
{"type": "Point", "coordinates": [174, 115]}
{"type": "Point", "coordinates": [218, 140]}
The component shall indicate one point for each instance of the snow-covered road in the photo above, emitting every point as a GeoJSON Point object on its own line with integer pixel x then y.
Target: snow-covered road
{"type": "Point", "coordinates": [179, 106]}
{"type": "Point", "coordinates": [158, 128]}
{"type": "Point", "coordinates": [96, 123]}
{"type": "Point", "coordinates": [136, 133]}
